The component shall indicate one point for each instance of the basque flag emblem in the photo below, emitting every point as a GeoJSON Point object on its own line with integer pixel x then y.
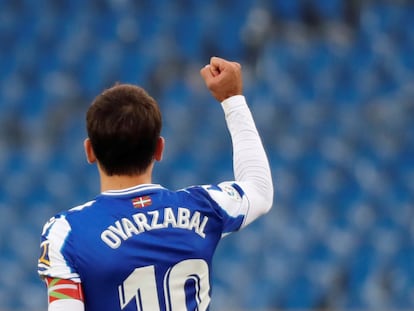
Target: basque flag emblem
{"type": "Point", "coordinates": [141, 202]}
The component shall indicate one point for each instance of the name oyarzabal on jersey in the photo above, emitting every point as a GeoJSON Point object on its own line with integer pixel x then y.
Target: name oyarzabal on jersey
{"type": "Point", "coordinates": [138, 223]}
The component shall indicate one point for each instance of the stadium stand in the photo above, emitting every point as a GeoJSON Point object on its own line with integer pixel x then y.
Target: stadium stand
{"type": "Point", "coordinates": [330, 83]}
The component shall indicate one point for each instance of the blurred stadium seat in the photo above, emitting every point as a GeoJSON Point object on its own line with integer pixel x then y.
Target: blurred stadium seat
{"type": "Point", "coordinates": [331, 84]}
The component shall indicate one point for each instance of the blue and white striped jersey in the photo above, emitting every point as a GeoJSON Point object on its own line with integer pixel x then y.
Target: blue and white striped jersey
{"type": "Point", "coordinates": [143, 248]}
{"type": "Point", "coordinates": [148, 248]}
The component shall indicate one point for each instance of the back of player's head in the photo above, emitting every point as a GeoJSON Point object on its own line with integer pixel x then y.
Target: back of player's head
{"type": "Point", "coordinates": [123, 125]}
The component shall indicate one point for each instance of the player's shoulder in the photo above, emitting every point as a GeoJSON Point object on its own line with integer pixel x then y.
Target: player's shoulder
{"type": "Point", "coordinates": [199, 192]}
{"type": "Point", "coordinates": [60, 219]}
{"type": "Point", "coordinates": [81, 207]}
{"type": "Point", "coordinates": [228, 190]}
{"type": "Point", "coordinates": [75, 210]}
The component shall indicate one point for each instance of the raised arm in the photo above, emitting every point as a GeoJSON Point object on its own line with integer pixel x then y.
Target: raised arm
{"type": "Point", "coordinates": [251, 167]}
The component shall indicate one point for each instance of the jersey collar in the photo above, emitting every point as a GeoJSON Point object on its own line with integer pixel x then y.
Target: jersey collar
{"type": "Point", "coordinates": [135, 189]}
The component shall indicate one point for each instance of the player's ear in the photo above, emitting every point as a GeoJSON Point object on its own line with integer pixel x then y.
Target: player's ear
{"type": "Point", "coordinates": [159, 150]}
{"type": "Point", "coordinates": [90, 154]}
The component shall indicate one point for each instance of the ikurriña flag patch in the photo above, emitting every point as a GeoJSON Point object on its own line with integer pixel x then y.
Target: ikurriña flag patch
{"type": "Point", "coordinates": [141, 202]}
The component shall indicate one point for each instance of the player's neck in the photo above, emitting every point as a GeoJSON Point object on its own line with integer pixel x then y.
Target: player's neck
{"type": "Point", "coordinates": [119, 182]}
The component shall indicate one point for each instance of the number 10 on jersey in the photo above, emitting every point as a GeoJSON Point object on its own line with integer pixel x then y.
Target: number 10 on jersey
{"type": "Point", "coordinates": [141, 285]}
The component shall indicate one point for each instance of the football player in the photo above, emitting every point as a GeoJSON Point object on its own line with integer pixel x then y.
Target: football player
{"type": "Point", "coordinates": [138, 245]}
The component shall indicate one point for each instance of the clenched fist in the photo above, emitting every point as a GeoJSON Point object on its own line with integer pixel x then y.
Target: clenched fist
{"type": "Point", "coordinates": [223, 78]}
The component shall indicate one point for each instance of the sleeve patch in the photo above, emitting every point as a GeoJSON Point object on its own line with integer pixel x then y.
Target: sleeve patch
{"type": "Point", "coordinates": [44, 256]}
{"type": "Point", "coordinates": [233, 191]}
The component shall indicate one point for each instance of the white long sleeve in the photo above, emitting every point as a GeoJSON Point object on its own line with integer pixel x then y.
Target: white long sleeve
{"type": "Point", "coordinates": [250, 163]}
{"type": "Point", "coordinates": [66, 305]}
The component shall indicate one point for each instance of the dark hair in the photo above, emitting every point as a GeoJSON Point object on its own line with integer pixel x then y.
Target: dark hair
{"type": "Point", "coordinates": [123, 125]}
